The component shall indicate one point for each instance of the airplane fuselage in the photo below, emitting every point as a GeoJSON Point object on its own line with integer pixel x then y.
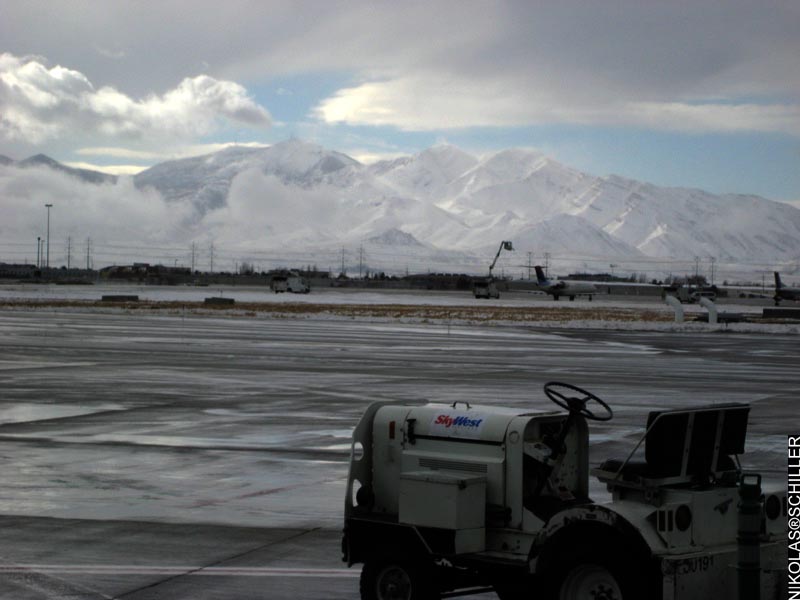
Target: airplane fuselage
{"type": "Point", "coordinates": [563, 287]}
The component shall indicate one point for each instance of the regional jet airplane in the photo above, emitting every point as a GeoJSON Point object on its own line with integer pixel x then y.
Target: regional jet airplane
{"type": "Point", "coordinates": [784, 293]}
{"type": "Point", "coordinates": [563, 287]}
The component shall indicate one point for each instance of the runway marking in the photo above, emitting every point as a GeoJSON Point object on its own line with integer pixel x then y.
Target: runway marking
{"type": "Point", "coordinates": [182, 570]}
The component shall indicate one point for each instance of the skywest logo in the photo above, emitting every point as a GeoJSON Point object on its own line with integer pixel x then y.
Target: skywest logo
{"type": "Point", "coordinates": [448, 421]}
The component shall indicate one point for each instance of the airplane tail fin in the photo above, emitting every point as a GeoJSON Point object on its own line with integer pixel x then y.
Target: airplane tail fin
{"type": "Point", "coordinates": [540, 275]}
{"type": "Point", "coordinates": [778, 284]}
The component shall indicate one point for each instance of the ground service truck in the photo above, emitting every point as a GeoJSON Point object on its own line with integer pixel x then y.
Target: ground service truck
{"type": "Point", "coordinates": [445, 500]}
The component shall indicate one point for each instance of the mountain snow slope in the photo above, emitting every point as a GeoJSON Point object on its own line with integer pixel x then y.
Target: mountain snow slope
{"type": "Point", "coordinates": [454, 208]}
{"type": "Point", "coordinates": [207, 179]}
{"type": "Point", "coordinates": [676, 222]}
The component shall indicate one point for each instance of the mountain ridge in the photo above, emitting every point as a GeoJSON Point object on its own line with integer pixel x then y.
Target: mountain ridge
{"type": "Point", "coordinates": [445, 200]}
{"type": "Point", "coordinates": [87, 175]}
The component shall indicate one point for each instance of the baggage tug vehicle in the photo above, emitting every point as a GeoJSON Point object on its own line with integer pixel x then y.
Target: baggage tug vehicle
{"type": "Point", "coordinates": [448, 500]}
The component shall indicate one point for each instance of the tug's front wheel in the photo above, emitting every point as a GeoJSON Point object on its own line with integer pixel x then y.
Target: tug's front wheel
{"type": "Point", "coordinates": [388, 579]}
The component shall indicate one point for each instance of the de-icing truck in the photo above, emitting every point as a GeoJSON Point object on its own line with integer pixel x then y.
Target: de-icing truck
{"type": "Point", "coordinates": [446, 500]}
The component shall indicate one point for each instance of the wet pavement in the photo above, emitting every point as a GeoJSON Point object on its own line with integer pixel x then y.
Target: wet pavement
{"type": "Point", "coordinates": [196, 457]}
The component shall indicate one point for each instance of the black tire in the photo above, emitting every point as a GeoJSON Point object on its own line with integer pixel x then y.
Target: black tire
{"type": "Point", "coordinates": [596, 576]}
{"type": "Point", "coordinates": [396, 579]}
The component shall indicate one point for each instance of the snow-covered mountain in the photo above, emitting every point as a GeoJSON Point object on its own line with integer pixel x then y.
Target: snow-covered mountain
{"type": "Point", "coordinates": [444, 198]}
{"type": "Point", "coordinates": [206, 179]}
{"type": "Point", "coordinates": [448, 209]}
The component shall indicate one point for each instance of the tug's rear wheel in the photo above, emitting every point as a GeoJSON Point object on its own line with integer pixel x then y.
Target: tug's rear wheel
{"type": "Point", "coordinates": [586, 575]}
{"type": "Point", "coordinates": [387, 579]}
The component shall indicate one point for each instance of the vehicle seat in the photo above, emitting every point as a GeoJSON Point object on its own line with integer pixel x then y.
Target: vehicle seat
{"type": "Point", "coordinates": [684, 446]}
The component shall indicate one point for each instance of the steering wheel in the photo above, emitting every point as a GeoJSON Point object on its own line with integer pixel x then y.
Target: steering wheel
{"type": "Point", "coordinates": [576, 404]}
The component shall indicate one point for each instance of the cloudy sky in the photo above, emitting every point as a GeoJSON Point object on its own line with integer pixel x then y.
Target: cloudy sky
{"type": "Point", "coordinates": [687, 92]}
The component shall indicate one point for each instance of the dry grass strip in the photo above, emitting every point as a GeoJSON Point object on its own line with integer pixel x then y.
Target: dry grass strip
{"type": "Point", "coordinates": [422, 312]}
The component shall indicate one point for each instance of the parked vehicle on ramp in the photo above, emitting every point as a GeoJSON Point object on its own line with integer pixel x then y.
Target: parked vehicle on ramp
{"type": "Point", "coordinates": [487, 288]}
{"type": "Point", "coordinates": [291, 282]}
{"type": "Point", "coordinates": [446, 500]}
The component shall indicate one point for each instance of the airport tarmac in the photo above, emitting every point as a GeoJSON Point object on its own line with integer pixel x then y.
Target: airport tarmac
{"type": "Point", "coordinates": [198, 457]}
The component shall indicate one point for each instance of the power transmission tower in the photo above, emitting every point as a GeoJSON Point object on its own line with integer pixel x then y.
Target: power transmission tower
{"type": "Point", "coordinates": [342, 271]}
{"type": "Point", "coordinates": [360, 259]}
{"type": "Point", "coordinates": [88, 250]}
{"type": "Point", "coordinates": [530, 258]}
{"type": "Point", "coordinates": [69, 250]}
{"type": "Point", "coordinates": [211, 257]}
{"type": "Point", "coordinates": [48, 207]}
{"type": "Point", "coordinates": [713, 260]}
{"type": "Point", "coordinates": [547, 264]}
{"type": "Point", "coordinates": [194, 255]}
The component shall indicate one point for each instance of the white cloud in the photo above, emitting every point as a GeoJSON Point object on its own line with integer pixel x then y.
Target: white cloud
{"type": "Point", "coordinates": [260, 209]}
{"type": "Point", "coordinates": [39, 103]}
{"type": "Point", "coordinates": [127, 224]}
{"type": "Point", "coordinates": [148, 156]}
{"type": "Point", "coordinates": [367, 157]}
{"type": "Point", "coordinates": [431, 104]}
{"type": "Point", "coordinates": [165, 153]}
{"type": "Point", "coordinates": [111, 215]}
{"type": "Point", "coordinates": [110, 169]}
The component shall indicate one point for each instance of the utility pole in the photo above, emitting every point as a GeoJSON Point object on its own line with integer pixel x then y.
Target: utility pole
{"type": "Point", "coordinates": [211, 257]}
{"type": "Point", "coordinates": [713, 260]}
{"type": "Point", "coordinates": [69, 251]}
{"type": "Point", "coordinates": [530, 258]}
{"type": "Point", "coordinates": [342, 271]}
{"type": "Point", "coordinates": [38, 252]}
{"type": "Point", "coordinates": [360, 259]}
{"type": "Point", "coordinates": [194, 255]}
{"type": "Point", "coordinates": [696, 268]}
{"type": "Point", "coordinates": [48, 207]}
{"type": "Point", "coordinates": [547, 264]}
{"type": "Point", "coordinates": [88, 252]}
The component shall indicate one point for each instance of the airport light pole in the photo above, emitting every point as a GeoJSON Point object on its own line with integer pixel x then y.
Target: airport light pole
{"type": "Point", "coordinates": [38, 252]}
{"type": "Point", "coordinates": [48, 207]}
